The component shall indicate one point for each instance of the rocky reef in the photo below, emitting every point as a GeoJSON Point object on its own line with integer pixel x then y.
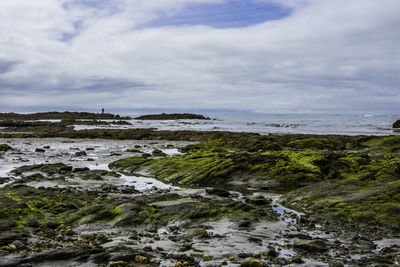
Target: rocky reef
{"type": "Point", "coordinates": [107, 197]}
{"type": "Point", "coordinates": [61, 116]}
{"type": "Point", "coordinates": [360, 185]}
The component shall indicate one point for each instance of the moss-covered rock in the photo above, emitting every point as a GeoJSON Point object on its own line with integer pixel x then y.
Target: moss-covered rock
{"type": "Point", "coordinates": [314, 143]}
{"type": "Point", "coordinates": [367, 190]}
{"type": "Point", "coordinates": [5, 147]}
{"type": "Point", "coordinates": [128, 165]}
{"type": "Point", "coordinates": [50, 169]}
{"type": "Point", "coordinates": [360, 184]}
{"type": "Point", "coordinates": [158, 153]}
{"type": "Point", "coordinates": [211, 166]}
{"type": "Point", "coordinates": [19, 203]}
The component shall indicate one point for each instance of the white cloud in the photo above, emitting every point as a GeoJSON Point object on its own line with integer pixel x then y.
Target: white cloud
{"type": "Point", "coordinates": [328, 56]}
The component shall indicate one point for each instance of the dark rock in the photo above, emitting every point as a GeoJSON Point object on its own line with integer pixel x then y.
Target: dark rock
{"type": "Point", "coordinates": [196, 232]}
{"type": "Point", "coordinates": [14, 263]}
{"type": "Point", "coordinates": [297, 259]}
{"type": "Point", "coordinates": [158, 153]}
{"type": "Point", "coordinates": [81, 169]}
{"type": "Point", "coordinates": [396, 124]}
{"type": "Point", "coordinates": [127, 219]}
{"type": "Point", "coordinates": [315, 245]}
{"type": "Point", "coordinates": [272, 252]}
{"type": "Point", "coordinates": [254, 239]}
{"type": "Point", "coordinates": [102, 238]}
{"type": "Point", "coordinates": [9, 237]}
{"type": "Point", "coordinates": [219, 192]}
{"type": "Point", "coordinates": [4, 180]}
{"type": "Point", "coordinates": [100, 258]}
{"type": "Point", "coordinates": [51, 224]}
{"type": "Point", "coordinates": [32, 221]}
{"type": "Point", "coordinates": [41, 150]}
{"type": "Point", "coordinates": [298, 235]}
{"type": "Point", "coordinates": [133, 150]}
{"type": "Point", "coordinates": [124, 256]}
{"type": "Point", "coordinates": [253, 262]}
{"type": "Point", "coordinates": [50, 169]}
{"type": "Point", "coordinates": [336, 264]}
{"type": "Point", "coordinates": [244, 223]}
{"type": "Point", "coordinates": [244, 255]}
{"type": "Point", "coordinates": [60, 254]}
{"type": "Point", "coordinates": [5, 147]}
{"type": "Point", "coordinates": [80, 154]}
{"type": "Point", "coordinates": [259, 201]}
{"type": "Point", "coordinates": [18, 244]}
{"type": "Point", "coordinates": [96, 174]}
{"type": "Point", "coordinates": [7, 224]}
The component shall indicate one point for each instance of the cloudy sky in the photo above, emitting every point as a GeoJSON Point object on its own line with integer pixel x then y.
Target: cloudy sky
{"type": "Point", "coordinates": [274, 56]}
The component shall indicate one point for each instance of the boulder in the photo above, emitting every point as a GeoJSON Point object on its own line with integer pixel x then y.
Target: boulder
{"type": "Point", "coordinates": [396, 124]}
{"type": "Point", "coordinates": [196, 232]}
{"type": "Point", "coordinates": [253, 262]}
{"type": "Point", "coordinates": [158, 153]}
{"type": "Point", "coordinates": [315, 245]}
{"type": "Point", "coordinates": [5, 147]}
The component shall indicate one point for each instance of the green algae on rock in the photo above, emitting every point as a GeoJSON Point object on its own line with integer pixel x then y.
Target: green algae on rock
{"type": "Point", "coordinates": [209, 165]}
{"type": "Point", "coordinates": [5, 147]}
{"type": "Point", "coordinates": [366, 189]}
{"type": "Point", "coordinates": [50, 169]}
{"type": "Point", "coordinates": [361, 184]}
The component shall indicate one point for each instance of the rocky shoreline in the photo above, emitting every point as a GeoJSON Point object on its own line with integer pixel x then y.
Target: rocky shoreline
{"type": "Point", "coordinates": [141, 197]}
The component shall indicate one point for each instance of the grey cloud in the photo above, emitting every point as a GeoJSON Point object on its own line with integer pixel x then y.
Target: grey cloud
{"type": "Point", "coordinates": [6, 66]}
{"type": "Point", "coordinates": [328, 55]}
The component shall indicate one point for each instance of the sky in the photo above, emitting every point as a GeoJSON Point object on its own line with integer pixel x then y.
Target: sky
{"type": "Point", "coordinates": [267, 56]}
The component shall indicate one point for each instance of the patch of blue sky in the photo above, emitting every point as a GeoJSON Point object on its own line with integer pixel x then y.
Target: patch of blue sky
{"type": "Point", "coordinates": [106, 6]}
{"type": "Point", "coordinates": [70, 35]}
{"type": "Point", "coordinates": [230, 14]}
{"type": "Point", "coordinates": [99, 4]}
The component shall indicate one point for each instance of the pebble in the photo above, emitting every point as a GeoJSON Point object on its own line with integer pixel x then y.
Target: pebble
{"type": "Point", "coordinates": [141, 259]}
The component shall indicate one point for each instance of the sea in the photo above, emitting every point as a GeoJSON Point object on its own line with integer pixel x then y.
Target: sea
{"type": "Point", "coordinates": [362, 124]}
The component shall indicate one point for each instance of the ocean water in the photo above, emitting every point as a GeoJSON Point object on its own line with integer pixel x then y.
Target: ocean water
{"type": "Point", "coordinates": [275, 123]}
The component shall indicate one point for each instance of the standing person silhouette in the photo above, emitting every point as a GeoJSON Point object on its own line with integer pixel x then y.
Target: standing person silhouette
{"type": "Point", "coordinates": [102, 111]}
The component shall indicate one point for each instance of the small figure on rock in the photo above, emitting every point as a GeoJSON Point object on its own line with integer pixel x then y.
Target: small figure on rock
{"type": "Point", "coordinates": [102, 111]}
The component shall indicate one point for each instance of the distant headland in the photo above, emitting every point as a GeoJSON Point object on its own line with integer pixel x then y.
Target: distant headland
{"type": "Point", "coordinates": [61, 116]}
